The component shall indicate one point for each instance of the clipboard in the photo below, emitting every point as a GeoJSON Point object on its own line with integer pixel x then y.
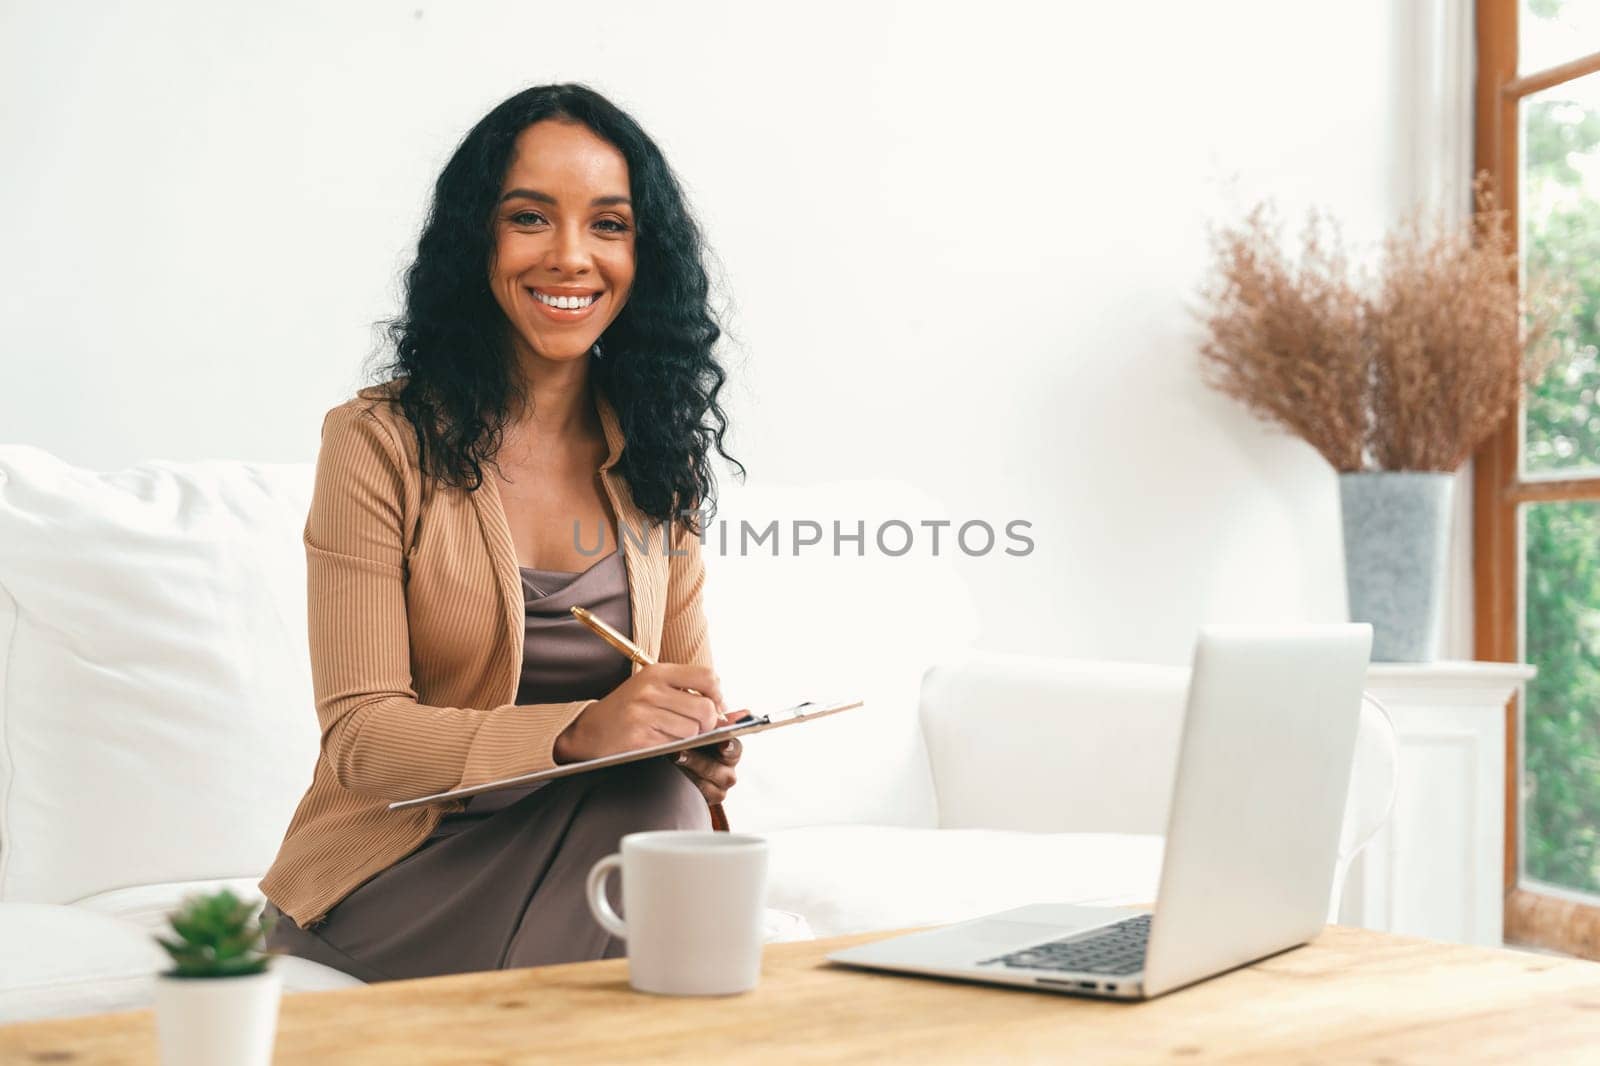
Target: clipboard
{"type": "Point", "coordinates": [800, 712]}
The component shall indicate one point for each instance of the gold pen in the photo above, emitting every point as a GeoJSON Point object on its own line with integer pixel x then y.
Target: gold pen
{"type": "Point", "coordinates": [719, 820]}
{"type": "Point", "coordinates": [613, 638]}
{"type": "Point", "coordinates": [624, 645]}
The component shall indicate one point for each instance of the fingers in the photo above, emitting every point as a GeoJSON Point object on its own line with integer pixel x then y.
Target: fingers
{"type": "Point", "coordinates": [712, 778]}
{"type": "Point", "coordinates": [709, 768]}
{"type": "Point", "coordinates": [686, 675]}
{"type": "Point", "coordinates": [665, 727]}
{"type": "Point", "coordinates": [657, 705]}
{"type": "Point", "coordinates": [656, 689]}
{"type": "Point", "coordinates": [711, 792]}
{"type": "Point", "coordinates": [700, 711]}
{"type": "Point", "coordinates": [730, 750]}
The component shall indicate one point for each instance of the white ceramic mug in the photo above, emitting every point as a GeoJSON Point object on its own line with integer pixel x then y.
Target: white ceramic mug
{"type": "Point", "coordinates": [693, 902]}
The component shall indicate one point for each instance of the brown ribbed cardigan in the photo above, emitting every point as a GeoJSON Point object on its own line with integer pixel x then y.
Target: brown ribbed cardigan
{"type": "Point", "coordinates": [415, 611]}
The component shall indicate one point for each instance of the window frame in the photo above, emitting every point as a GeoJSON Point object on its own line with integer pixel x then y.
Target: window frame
{"type": "Point", "coordinates": [1536, 916]}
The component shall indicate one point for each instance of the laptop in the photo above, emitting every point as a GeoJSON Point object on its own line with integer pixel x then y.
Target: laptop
{"type": "Point", "coordinates": [1252, 835]}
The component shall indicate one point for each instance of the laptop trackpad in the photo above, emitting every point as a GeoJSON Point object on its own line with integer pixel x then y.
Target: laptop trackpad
{"type": "Point", "coordinates": [1021, 927]}
{"type": "Point", "coordinates": [998, 934]}
{"type": "Point", "coordinates": [983, 937]}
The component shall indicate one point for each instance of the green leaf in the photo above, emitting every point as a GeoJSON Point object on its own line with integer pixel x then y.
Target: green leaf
{"type": "Point", "coordinates": [218, 935]}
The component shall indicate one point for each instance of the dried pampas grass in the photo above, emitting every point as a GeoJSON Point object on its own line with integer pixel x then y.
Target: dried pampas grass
{"type": "Point", "coordinates": [1410, 373]}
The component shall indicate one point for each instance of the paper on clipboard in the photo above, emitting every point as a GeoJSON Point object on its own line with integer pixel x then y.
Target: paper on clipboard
{"type": "Point", "coordinates": [800, 712]}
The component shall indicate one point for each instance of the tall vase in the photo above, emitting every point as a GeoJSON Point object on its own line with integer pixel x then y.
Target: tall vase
{"type": "Point", "coordinates": [1396, 552]}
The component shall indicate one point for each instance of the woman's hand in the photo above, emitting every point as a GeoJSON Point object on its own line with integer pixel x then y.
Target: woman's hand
{"type": "Point", "coordinates": [711, 768]}
{"type": "Point", "coordinates": [654, 706]}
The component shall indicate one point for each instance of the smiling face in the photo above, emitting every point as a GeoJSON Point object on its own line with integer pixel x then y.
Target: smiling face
{"type": "Point", "coordinates": [563, 240]}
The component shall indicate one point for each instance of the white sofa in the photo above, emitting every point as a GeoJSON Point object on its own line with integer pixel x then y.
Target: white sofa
{"type": "Point", "coordinates": [157, 724]}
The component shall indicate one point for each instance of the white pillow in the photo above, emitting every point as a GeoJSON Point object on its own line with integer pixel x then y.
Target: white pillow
{"type": "Point", "coordinates": [816, 625]}
{"type": "Point", "coordinates": [156, 711]}
{"type": "Point", "coordinates": [64, 961]}
{"type": "Point", "coordinates": [150, 906]}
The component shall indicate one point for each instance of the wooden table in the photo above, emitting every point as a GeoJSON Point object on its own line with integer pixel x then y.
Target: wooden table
{"type": "Point", "coordinates": [1350, 996]}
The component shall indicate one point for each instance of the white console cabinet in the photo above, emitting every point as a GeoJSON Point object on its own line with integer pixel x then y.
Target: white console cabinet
{"type": "Point", "coordinates": [1437, 868]}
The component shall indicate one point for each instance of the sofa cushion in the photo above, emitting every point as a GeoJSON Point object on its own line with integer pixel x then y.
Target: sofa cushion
{"type": "Point", "coordinates": [1086, 746]}
{"type": "Point", "coordinates": [856, 878]}
{"type": "Point", "coordinates": [156, 717]}
{"type": "Point", "coordinates": [63, 961]}
{"type": "Point", "coordinates": [146, 906]}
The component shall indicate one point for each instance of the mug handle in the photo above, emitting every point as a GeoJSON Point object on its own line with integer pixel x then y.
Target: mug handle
{"type": "Point", "coordinates": [599, 905]}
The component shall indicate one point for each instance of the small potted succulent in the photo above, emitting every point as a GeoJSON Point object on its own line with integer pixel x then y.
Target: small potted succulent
{"type": "Point", "coordinates": [219, 1002]}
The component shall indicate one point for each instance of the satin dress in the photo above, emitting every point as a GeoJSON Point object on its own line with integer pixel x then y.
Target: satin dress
{"type": "Point", "coordinates": [500, 884]}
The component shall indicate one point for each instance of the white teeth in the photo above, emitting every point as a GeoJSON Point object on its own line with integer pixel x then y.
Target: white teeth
{"type": "Point", "coordinates": [569, 303]}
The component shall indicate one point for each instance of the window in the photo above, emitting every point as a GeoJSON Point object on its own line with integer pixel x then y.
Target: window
{"type": "Point", "coordinates": [1537, 482]}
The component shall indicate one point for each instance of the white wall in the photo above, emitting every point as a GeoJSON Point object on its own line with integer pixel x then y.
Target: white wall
{"type": "Point", "coordinates": [959, 246]}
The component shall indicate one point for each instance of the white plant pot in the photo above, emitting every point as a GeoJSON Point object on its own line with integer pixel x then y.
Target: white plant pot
{"type": "Point", "coordinates": [209, 1021]}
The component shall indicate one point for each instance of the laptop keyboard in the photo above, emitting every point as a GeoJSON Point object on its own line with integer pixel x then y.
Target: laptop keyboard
{"type": "Point", "coordinates": [1116, 949]}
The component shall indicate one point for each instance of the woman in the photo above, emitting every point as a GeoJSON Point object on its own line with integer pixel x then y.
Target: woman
{"type": "Point", "coordinates": [512, 467]}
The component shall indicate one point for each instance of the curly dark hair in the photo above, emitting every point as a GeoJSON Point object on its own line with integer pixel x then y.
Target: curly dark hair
{"type": "Point", "coordinates": [657, 368]}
